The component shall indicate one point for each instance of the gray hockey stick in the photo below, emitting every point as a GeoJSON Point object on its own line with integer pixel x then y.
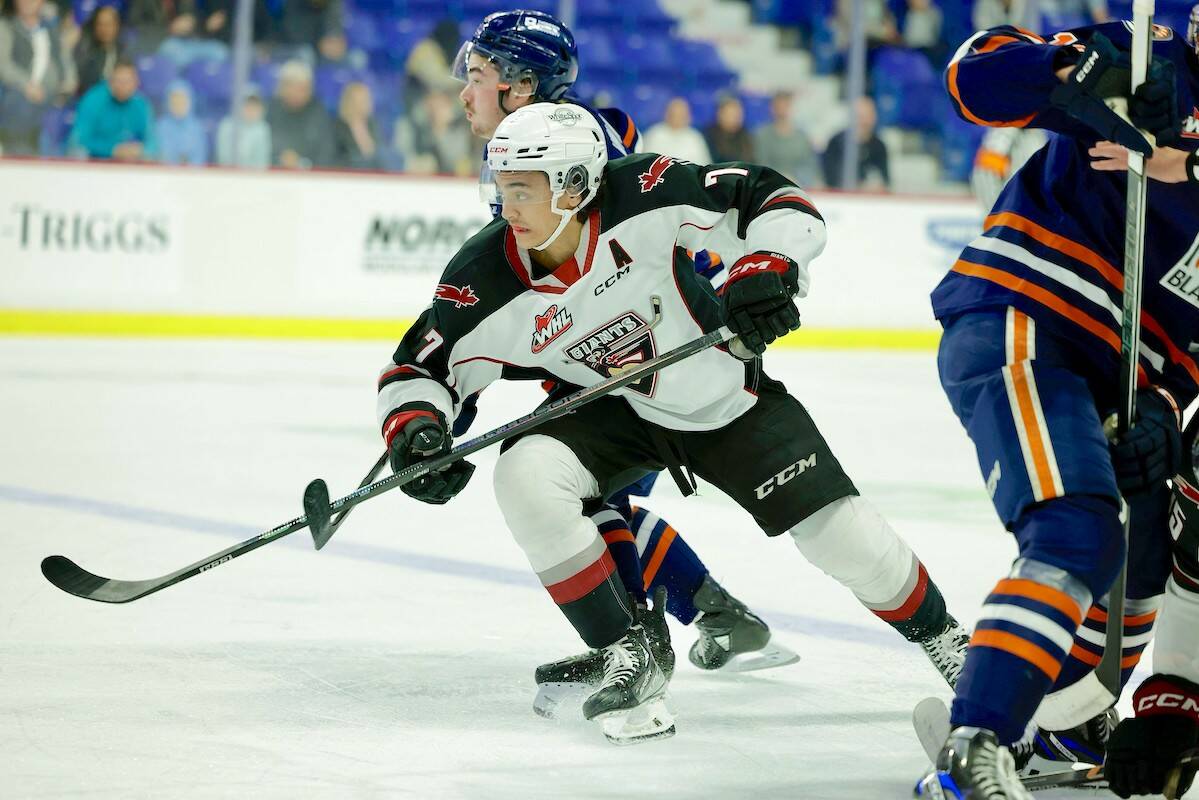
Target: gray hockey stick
{"type": "Point", "coordinates": [1098, 690]}
{"type": "Point", "coordinates": [73, 579]}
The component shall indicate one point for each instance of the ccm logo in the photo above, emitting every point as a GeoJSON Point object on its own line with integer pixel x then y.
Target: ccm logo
{"type": "Point", "coordinates": [216, 563]}
{"type": "Point", "coordinates": [1167, 700]}
{"type": "Point", "coordinates": [784, 477]}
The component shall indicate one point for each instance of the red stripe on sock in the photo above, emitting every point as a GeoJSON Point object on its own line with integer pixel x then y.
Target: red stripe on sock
{"type": "Point", "coordinates": [583, 581]}
{"type": "Point", "coordinates": [913, 602]}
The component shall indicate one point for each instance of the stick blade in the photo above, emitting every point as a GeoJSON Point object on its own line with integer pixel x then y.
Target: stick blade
{"type": "Point", "coordinates": [316, 509]}
{"type": "Point", "coordinates": [74, 579]}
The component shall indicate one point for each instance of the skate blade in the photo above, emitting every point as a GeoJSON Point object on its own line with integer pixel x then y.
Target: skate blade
{"type": "Point", "coordinates": [560, 700]}
{"type": "Point", "coordinates": [938, 786]}
{"type": "Point", "coordinates": [771, 656]}
{"type": "Point", "coordinates": [649, 721]}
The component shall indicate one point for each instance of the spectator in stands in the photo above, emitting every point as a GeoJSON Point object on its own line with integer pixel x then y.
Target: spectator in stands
{"type": "Point", "coordinates": [429, 62]}
{"type": "Point", "coordinates": [879, 22]}
{"type": "Point", "coordinates": [779, 144]}
{"type": "Point", "coordinates": [301, 129]}
{"type": "Point", "coordinates": [674, 136]}
{"type": "Point", "coordinates": [435, 138]}
{"type": "Point", "coordinates": [355, 133]}
{"type": "Point", "coordinates": [307, 24]}
{"type": "Point", "coordinates": [1062, 13]}
{"type": "Point", "coordinates": [35, 71]}
{"type": "Point", "coordinates": [194, 35]}
{"type": "Point", "coordinates": [155, 20]}
{"type": "Point", "coordinates": [181, 137]}
{"type": "Point", "coordinates": [727, 138]}
{"type": "Point", "coordinates": [115, 120]}
{"type": "Point", "coordinates": [922, 30]}
{"type": "Point", "coordinates": [993, 13]}
{"type": "Point", "coordinates": [253, 135]}
{"type": "Point", "coordinates": [873, 167]}
{"type": "Point", "coordinates": [99, 47]}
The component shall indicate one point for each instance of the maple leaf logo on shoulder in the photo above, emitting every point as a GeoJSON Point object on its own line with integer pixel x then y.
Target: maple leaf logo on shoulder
{"type": "Point", "coordinates": [460, 296]}
{"type": "Point", "coordinates": [653, 176]}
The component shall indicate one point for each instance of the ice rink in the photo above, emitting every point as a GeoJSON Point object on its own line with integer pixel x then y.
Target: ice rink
{"type": "Point", "coordinates": [398, 661]}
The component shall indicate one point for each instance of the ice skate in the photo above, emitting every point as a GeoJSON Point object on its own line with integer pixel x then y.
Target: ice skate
{"type": "Point", "coordinates": [972, 766]}
{"type": "Point", "coordinates": [947, 650]}
{"type": "Point", "coordinates": [562, 684]}
{"type": "Point", "coordinates": [1050, 751]}
{"type": "Point", "coordinates": [731, 636]}
{"type": "Point", "coordinates": [630, 701]}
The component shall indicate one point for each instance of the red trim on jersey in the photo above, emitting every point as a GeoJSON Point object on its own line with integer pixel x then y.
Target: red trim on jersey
{"type": "Point", "coordinates": [905, 611]}
{"type": "Point", "coordinates": [582, 582]}
{"type": "Point", "coordinates": [567, 273]}
{"type": "Point", "coordinates": [400, 370]}
{"type": "Point", "coordinates": [792, 198]}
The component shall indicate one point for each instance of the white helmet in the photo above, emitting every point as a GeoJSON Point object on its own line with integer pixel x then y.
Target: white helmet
{"type": "Point", "coordinates": [561, 140]}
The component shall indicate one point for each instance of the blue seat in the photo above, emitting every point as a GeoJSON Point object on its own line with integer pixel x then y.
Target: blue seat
{"type": "Point", "coordinates": [647, 57]}
{"type": "Point", "coordinates": [56, 127]}
{"type": "Point", "coordinates": [757, 109]}
{"type": "Point", "coordinates": [905, 89]}
{"type": "Point", "coordinates": [703, 108]}
{"type": "Point", "coordinates": [265, 75]}
{"type": "Point", "coordinates": [959, 143]}
{"type": "Point", "coordinates": [596, 50]}
{"type": "Point", "coordinates": [154, 73]}
{"type": "Point", "coordinates": [364, 31]}
{"type": "Point", "coordinates": [647, 104]}
{"type": "Point", "coordinates": [329, 82]}
{"type": "Point", "coordinates": [212, 84]}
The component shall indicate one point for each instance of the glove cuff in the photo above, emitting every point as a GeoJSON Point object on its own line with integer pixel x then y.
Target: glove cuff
{"type": "Point", "coordinates": [1167, 695]}
{"type": "Point", "coordinates": [400, 417]}
{"type": "Point", "coordinates": [1171, 402]}
{"type": "Point", "coordinates": [763, 261]}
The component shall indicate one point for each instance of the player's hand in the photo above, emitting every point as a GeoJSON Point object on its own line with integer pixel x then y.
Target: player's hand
{"type": "Point", "coordinates": [1167, 164]}
{"type": "Point", "coordinates": [416, 432]}
{"type": "Point", "coordinates": [1102, 72]}
{"type": "Point", "coordinates": [1146, 752]}
{"type": "Point", "coordinates": [758, 299]}
{"type": "Point", "coordinates": [1154, 105]}
{"type": "Point", "coordinates": [1151, 452]}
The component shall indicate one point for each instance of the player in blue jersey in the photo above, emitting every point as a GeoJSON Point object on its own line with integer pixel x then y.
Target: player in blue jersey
{"type": "Point", "coordinates": [1029, 360]}
{"type": "Point", "coordinates": [516, 58]}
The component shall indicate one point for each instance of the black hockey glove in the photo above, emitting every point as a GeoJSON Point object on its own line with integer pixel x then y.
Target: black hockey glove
{"type": "Point", "coordinates": [1154, 105]}
{"type": "Point", "coordinates": [758, 299]}
{"type": "Point", "coordinates": [415, 432]}
{"type": "Point", "coordinates": [1149, 751]}
{"type": "Point", "coordinates": [1102, 72]}
{"type": "Point", "coordinates": [1151, 452]}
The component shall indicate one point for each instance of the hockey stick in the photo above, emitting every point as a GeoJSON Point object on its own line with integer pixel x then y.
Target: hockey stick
{"type": "Point", "coordinates": [1092, 776]}
{"type": "Point", "coordinates": [1098, 690]}
{"type": "Point", "coordinates": [73, 579]}
{"type": "Point", "coordinates": [323, 528]}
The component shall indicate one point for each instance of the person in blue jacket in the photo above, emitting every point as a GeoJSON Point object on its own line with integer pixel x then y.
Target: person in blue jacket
{"type": "Point", "coordinates": [114, 120]}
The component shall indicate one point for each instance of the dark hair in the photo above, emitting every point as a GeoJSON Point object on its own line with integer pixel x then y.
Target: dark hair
{"type": "Point", "coordinates": [89, 26]}
{"type": "Point", "coordinates": [124, 61]}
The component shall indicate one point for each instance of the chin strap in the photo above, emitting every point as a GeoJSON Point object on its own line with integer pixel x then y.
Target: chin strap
{"type": "Point", "coordinates": [565, 214]}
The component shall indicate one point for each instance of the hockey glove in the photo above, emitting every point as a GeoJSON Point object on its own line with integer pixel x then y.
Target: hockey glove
{"type": "Point", "coordinates": [1154, 105]}
{"type": "Point", "coordinates": [1146, 752]}
{"type": "Point", "coordinates": [757, 299]}
{"type": "Point", "coordinates": [1101, 73]}
{"type": "Point", "coordinates": [416, 432]}
{"type": "Point", "coordinates": [1151, 452]}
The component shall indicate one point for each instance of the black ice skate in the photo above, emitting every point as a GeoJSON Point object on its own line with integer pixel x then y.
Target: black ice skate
{"type": "Point", "coordinates": [1048, 751]}
{"type": "Point", "coordinates": [972, 766]}
{"type": "Point", "coordinates": [630, 701]}
{"type": "Point", "coordinates": [947, 650]}
{"type": "Point", "coordinates": [562, 684]}
{"type": "Point", "coordinates": [730, 635]}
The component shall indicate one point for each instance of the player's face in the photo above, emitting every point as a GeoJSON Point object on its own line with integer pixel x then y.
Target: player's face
{"type": "Point", "coordinates": [481, 97]}
{"type": "Point", "coordinates": [525, 200]}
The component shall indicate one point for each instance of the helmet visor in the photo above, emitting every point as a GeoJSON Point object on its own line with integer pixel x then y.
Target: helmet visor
{"type": "Point", "coordinates": [472, 65]}
{"type": "Point", "coordinates": [525, 188]}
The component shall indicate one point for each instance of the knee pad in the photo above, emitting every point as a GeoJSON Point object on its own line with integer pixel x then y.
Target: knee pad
{"type": "Point", "coordinates": [540, 485]}
{"type": "Point", "coordinates": [1080, 534]}
{"type": "Point", "coordinates": [852, 543]}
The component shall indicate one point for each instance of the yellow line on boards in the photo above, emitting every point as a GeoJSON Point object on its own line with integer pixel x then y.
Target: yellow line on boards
{"type": "Point", "coordinates": [147, 325]}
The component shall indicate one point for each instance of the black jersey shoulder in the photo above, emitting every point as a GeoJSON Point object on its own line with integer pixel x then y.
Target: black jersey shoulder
{"type": "Point", "coordinates": [477, 282]}
{"type": "Point", "coordinates": [644, 182]}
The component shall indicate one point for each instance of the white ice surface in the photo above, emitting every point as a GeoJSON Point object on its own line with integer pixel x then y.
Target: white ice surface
{"type": "Point", "coordinates": [398, 661]}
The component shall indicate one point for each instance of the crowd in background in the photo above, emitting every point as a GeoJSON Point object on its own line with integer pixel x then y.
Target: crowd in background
{"type": "Point", "coordinates": [139, 80]}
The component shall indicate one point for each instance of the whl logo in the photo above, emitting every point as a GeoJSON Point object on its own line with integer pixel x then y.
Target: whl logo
{"type": "Point", "coordinates": [653, 176]}
{"type": "Point", "coordinates": [460, 296]}
{"type": "Point", "coordinates": [549, 326]}
{"type": "Point", "coordinates": [785, 476]}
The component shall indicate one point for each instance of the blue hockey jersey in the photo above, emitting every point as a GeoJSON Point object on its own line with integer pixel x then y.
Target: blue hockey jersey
{"type": "Point", "coordinates": [1053, 244]}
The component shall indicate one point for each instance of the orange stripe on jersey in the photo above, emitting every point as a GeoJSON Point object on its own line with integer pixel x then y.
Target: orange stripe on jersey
{"type": "Point", "coordinates": [1022, 587]}
{"type": "Point", "coordinates": [992, 162]}
{"type": "Point", "coordinates": [1032, 37]}
{"type": "Point", "coordinates": [630, 133]}
{"type": "Point", "coordinates": [619, 535]}
{"type": "Point", "coordinates": [1176, 355]}
{"type": "Point", "coordinates": [996, 42]}
{"type": "Point", "coordinates": [1019, 336]}
{"type": "Point", "coordinates": [1058, 242]}
{"type": "Point", "coordinates": [664, 542]}
{"type": "Point", "coordinates": [1140, 619]}
{"type": "Point", "coordinates": [952, 81]}
{"type": "Point", "coordinates": [1131, 661]}
{"type": "Point", "coordinates": [1021, 648]}
{"type": "Point", "coordinates": [1096, 614]}
{"type": "Point", "coordinates": [1085, 656]}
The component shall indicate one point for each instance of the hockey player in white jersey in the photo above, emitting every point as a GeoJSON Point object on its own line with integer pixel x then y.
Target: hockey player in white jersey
{"type": "Point", "coordinates": [585, 273]}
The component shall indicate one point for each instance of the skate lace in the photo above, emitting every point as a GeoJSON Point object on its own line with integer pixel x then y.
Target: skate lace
{"type": "Point", "coordinates": [622, 662]}
{"type": "Point", "coordinates": [994, 774]}
{"type": "Point", "coordinates": [947, 651]}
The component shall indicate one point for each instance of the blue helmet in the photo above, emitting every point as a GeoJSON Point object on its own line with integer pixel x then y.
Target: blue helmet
{"type": "Point", "coordinates": [527, 46]}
